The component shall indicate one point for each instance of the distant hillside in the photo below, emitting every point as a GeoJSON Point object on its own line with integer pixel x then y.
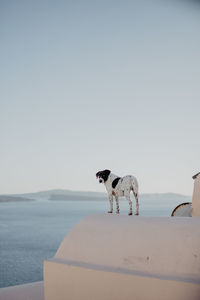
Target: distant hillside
{"type": "Point", "coordinates": [59, 194]}
{"type": "Point", "coordinates": [5, 198]}
{"type": "Point", "coordinates": [169, 197]}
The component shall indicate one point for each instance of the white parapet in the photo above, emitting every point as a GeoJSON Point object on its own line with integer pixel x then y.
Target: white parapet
{"type": "Point", "coordinates": [196, 196]}
{"type": "Point", "coordinates": [28, 291]}
{"type": "Point", "coordinates": [117, 257]}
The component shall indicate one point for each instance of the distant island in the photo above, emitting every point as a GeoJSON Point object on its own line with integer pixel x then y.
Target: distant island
{"type": "Point", "coordinates": [5, 198]}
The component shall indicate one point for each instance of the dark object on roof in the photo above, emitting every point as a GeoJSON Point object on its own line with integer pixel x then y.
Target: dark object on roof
{"type": "Point", "coordinates": [195, 176]}
{"type": "Point", "coordinates": [183, 210]}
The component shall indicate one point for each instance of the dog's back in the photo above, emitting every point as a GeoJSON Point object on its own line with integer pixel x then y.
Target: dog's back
{"type": "Point", "coordinates": [130, 181]}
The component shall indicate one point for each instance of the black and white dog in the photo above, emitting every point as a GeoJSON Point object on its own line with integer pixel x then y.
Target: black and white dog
{"type": "Point", "coordinates": [118, 187]}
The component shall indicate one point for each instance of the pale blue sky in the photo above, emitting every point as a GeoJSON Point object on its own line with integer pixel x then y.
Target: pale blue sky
{"type": "Point", "coordinates": [89, 85]}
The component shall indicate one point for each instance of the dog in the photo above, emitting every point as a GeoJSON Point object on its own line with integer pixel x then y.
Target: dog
{"type": "Point", "coordinates": [119, 187]}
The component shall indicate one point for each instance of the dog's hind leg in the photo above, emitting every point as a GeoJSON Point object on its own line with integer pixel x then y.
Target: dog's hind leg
{"type": "Point", "coordinates": [111, 204]}
{"type": "Point", "coordinates": [117, 204]}
{"type": "Point", "coordinates": [137, 203]}
{"type": "Point", "coordinates": [130, 204]}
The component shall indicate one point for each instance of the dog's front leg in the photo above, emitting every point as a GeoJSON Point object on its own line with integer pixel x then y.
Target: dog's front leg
{"type": "Point", "coordinates": [111, 203]}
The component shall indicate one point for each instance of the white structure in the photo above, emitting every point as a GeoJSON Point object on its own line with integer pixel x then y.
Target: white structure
{"type": "Point", "coordinates": [196, 196]}
{"type": "Point", "coordinates": [120, 257]}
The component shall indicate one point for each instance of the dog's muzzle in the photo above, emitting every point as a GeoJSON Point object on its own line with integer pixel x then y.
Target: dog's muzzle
{"type": "Point", "coordinates": [100, 180]}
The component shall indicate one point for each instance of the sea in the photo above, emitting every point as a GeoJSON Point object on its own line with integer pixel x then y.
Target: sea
{"type": "Point", "coordinates": [32, 231]}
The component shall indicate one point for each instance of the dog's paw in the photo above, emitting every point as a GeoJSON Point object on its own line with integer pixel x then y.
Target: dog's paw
{"type": "Point", "coordinates": [130, 214]}
{"type": "Point", "coordinates": [109, 212]}
{"type": "Point", "coordinates": [137, 214]}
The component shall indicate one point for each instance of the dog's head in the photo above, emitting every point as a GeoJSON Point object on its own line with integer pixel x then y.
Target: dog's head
{"type": "Point", "coordinates": [103, 175]}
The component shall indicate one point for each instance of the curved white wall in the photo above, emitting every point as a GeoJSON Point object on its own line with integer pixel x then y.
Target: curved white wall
{"type": "Point", "coordinates": [161, 246]}
{"type": "Point", "coordinates": [109, 256]}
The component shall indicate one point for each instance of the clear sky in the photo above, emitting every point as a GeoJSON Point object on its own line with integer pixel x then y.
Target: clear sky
{"type": "Point", "coordinates": [89, 85]}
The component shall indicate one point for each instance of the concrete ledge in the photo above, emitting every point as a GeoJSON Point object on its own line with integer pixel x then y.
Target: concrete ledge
{"type": "Point", "coordinates": [30, 291]}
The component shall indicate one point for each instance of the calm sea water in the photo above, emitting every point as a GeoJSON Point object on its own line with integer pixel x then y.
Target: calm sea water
{"type": "Point", "coordinates": [32, 231]}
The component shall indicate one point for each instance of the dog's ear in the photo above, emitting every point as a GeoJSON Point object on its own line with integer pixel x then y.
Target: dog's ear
{"type": "Point", "coordinates": [98, 173]}
{"type": "Point", "coordinates": [106, 173]}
